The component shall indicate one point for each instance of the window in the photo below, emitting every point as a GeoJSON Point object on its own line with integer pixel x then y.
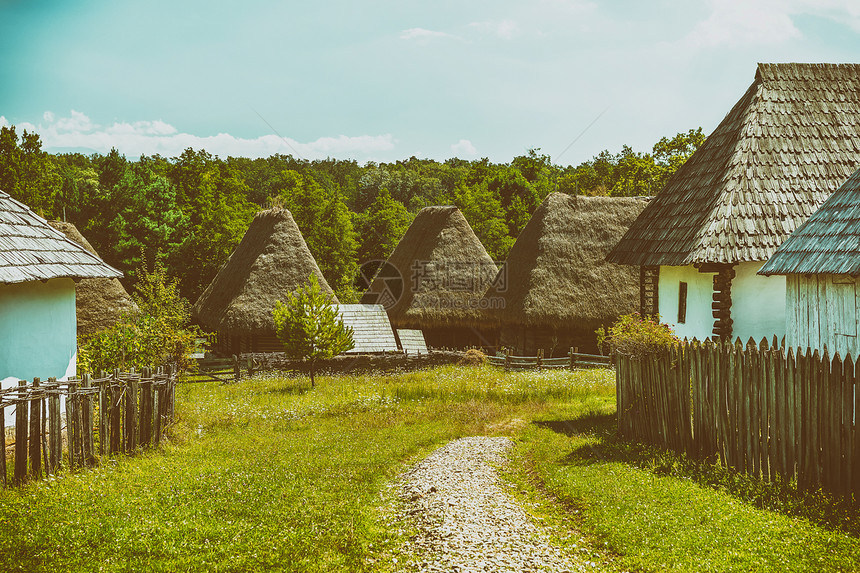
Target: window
{"type": "Point", "coordinates": [682, 302]}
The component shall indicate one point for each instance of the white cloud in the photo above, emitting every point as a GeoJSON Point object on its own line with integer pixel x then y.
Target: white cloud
{"type": "Point", "coordinates": [3, 121]}
{"type": "Point", "coordinates": [765, 22]}
{"type": "Point", "coordinates": [151, 137]}
{"type": "Point", "coordinates": [48, 116]}
{"type": "Point", "coordinates": [423, 34]}
{"type": "Point", "coordinates": [464, 147]}
{"type": "Point", "coordinates": [505, 29]}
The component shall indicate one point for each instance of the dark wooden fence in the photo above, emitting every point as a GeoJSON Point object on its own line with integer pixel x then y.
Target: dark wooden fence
{"type": "Point", "coordinates": [763, 410]}
{"type": "Point", "coordinates": [572, 361]}
{"type": "Point", "coordinates": [116, 412]}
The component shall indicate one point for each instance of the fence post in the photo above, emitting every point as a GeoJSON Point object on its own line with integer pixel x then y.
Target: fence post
{"type": "Point", "coordinates": [236, 369]}
{"type": "Point", "coordinates": [156, 407]}
{"type": "Point", "coordinates": [21, 433]}
{"type": "Point", "coordinates": [146, 407]}
{"type": "Point", "coordinates": [115, 412]}
{"type": "Point", "coordinates": [55, 427]}
{"type": "Point", "coordinates": [540, 359]}
{"type": "Point", "coordinates": [507, 359]}
{"type": "Point", "coordinates": [3, 443]}
{"type": "Point", "coordinates": [71, 426]}
{"type": "Point", "coordinates": [87, 422]}
{"type": "Point", "coordinates": [35, 431]}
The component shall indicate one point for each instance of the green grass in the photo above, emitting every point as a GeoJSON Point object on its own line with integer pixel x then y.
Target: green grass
{"type": "Point", "coordinates": [270, 475]}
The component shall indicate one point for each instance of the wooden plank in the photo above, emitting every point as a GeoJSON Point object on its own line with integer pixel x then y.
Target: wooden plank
{"type": "Point", "coordinates": [88, 456]}
{"type": "Point", "coordinates": [3, 475]}
{"type": "Point", "coordinates": [848, 424]}
{"type": "Point", "coordinates": [791, 414]}
{"type": "Point", "coordinates": [71, 425]}
{"type": "Point", "coordinates": [21, 428]}
{"type": "Point", "coordinates": [115, 413]}
{"type": "Point", "coordinates": [779, 427]}
{"type": "Point", "coordinates": [855, 433]}
{"type": "Point", "coordinates": [753, 383]}
{"type": "Point", "coordinates": [35, 437]}
{"type": "Point", "coordinates": [55, 441]}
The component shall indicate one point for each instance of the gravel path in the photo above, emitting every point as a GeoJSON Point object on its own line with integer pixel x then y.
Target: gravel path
{"type": "Point", "coordinates": [466, 522]}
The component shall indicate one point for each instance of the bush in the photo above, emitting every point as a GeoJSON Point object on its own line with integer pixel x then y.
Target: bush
{"type": "Point", "coordinates": [156, 334]}
{"type": "Point", "coordinates": [636, 335]}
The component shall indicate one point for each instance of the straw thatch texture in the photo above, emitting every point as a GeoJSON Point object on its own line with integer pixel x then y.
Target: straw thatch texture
{"type": "Point", "coordinates": [31, 250]}
{"type": "Point", "coordinates": [789, 143]}
{"type": "Point", "coordinates": [556, 275]}
{"type": "Point", "coordinates": [828, 242]}
{"type": "Point", "coordinates": [271, 260]}
{"type": "Point", "coordinates": [444, 268]}
{"type": "Point", "coordinates": [100, 303]}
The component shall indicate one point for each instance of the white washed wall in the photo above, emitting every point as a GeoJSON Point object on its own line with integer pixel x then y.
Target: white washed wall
{"type": "Point", "coordinates": [758, 304]}
{"type": "Point", "coordinates": [822, 310]}
{"type": "Point", "coordinates": [700, 289]}
{"type": "Point", "coordinates": [38, 331]}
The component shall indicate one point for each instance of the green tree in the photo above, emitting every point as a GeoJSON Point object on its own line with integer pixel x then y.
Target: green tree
{"type": "Point", "coordinates": [309, 326]}
{"type": "Point", "coordinates": [156, 334]}
{"type": "Point", "coordinates": [26, 172]}
{"type": "Point", "coordinates": [381, 227]}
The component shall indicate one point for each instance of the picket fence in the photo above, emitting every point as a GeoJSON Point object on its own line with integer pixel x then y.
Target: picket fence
{"type": "Point", "coordinates": [760, 409]}
{"type": "Point", "coordinates": [111, 413]}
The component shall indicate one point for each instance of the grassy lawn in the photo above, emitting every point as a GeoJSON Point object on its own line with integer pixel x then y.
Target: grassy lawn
{"type": "Point", "coordinates": [268, 474]}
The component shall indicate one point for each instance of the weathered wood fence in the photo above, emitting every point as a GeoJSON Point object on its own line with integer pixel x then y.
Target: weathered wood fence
{"type": "Point", "coordinates": [572, 361]}
{"type": "Point", "coordinates": [111, 413]}
{"type": "Point", "coordinates": [763, 410]}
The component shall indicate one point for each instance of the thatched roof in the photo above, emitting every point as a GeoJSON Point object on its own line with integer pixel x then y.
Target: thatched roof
{"type": "Point", "coordinates": [444, 270]}
{"type": "Point", "coordinates": [556, 275]}
{"type": "Point", "coordinates": [271, 260]}
{"type": "Point", "coordinates": [31, 250]}
{"type": "Point", "coordinates": [828, 242]}
{"type": "Point", "coordinates": [789, 142]}
{"type": "Point", "coordinates": [100, 303]}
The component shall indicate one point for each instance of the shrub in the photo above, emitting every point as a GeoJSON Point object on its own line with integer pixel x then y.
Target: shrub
{"type": "Point", "coordinates": [636, 335]}
{"type": "Point", "coordinates": [156, 334]}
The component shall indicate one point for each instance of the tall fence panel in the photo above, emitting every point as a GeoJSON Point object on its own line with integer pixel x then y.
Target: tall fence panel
{"type": "Point", "coordinates": [111, 413]}
{"type": "Point", "coordinates": [763, 410]}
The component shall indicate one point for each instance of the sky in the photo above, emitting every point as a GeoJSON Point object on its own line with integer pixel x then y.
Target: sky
{"type": "Point", "coordinates": [381, 80]}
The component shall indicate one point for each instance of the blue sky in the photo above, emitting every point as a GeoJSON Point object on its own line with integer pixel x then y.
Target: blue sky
{"type": "Point", "coordinates": [385, 80]}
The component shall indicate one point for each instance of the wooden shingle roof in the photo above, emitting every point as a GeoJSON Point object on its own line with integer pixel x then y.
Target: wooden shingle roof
{"type": "Point", "coordinates": [828, 242]}
{"type": "Point", "coordinates": [785, 146]}
{"type": "Point", "coordinates": [31, 250]}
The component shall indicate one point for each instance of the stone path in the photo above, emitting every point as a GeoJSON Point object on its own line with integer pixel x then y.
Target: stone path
{"type": "Point", "coordinates": [466, 521]}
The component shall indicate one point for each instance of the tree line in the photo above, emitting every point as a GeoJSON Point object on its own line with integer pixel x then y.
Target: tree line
{"type": "Point", "coordinates": [189, 212]}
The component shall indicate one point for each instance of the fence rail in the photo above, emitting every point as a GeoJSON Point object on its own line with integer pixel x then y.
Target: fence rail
{"type": "Point", "coordinates": [111, 413]}
{"type": "Point", "coordinates": [572, 361]}
{"type": "Point", "coordinates": [761, 410]}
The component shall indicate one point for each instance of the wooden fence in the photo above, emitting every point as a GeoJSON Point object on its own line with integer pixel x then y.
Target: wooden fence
{"type": "Point", "coordinates": [573, 360]}
{"type": "Point", "coordinates": [116, 412]}
{"type": "Point", "coordinates": [766, 411]}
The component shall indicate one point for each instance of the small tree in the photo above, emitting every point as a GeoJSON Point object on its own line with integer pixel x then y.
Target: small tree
{"type": "Point", "coordinates": [309, 327]}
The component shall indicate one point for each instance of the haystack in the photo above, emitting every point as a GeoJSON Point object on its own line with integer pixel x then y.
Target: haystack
{"type": "Point", "coordinates": [556, 289]}
{"type": "Point", "coordinates": [271, 260]}
{"type": "Point", "coordinates": [440, 270]}
{"type": "Point", "coordinates": [100, 302]}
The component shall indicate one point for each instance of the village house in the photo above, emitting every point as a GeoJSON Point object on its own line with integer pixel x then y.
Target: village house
{"type": "Point", "coordinates": [38, 269]}
{"type": "Point", "coordinates": [100, 303]}
{"type": "Point", "coordinates": [271, 261]}
{"type": "Point", "coordinates": [556, 288]}
{"type": "Point", "coordinates": [786, 145]}
{"type": "Point", "coordinates": [821, 263]}
{"type": "Point", "coordinates": [434, 279]}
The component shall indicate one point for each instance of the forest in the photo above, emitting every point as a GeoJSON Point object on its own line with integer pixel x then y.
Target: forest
{"type": "Point", "coordinates": [188, 213]}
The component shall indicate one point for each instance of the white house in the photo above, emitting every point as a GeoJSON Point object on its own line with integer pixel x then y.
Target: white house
{"type": "Point", "coordinates": [821, 264]}
{"type": "Point", "coordinates": [785, 146]}
{"type": "Point", "coordinates": [38, 270]}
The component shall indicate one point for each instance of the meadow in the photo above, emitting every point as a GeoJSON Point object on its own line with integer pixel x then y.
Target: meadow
{"type": "Point", "coordinates": [269, 474]}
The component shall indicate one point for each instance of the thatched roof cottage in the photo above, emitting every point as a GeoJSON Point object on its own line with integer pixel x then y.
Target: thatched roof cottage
{"type": "Point", "coordinates": [786, 145]}
{"type": "Point", "coordinates": [434, 279]}
{"type": "Point", "coordinates": [821, 262]}
{"type": "Point", "coordinates": [38, 269]}
{"type": "Point", "coordinates": [100, 302]}
{"type": "Point", "coordinates": [271, 260]}
{"type": "Point", "coordinates": [555, 289]}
